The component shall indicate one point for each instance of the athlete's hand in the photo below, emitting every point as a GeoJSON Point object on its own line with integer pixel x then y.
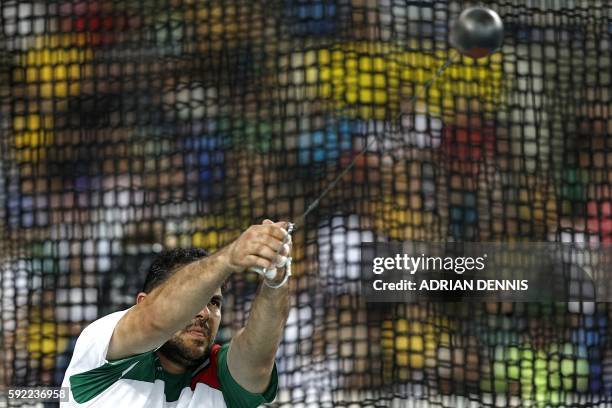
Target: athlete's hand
{"type": "Point", "coordinates": [258, 246]}
{"type": "Point", "coordinates": [275, 275]}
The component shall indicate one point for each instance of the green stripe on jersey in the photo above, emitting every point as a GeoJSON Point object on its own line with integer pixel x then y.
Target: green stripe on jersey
{"type": "Point", "coordinates": [237, 397]}
{"type": "Point", "coordinates": [142, 367]}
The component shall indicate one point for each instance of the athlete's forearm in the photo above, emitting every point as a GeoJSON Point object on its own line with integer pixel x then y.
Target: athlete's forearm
{"type": "Point", "coordinates": [252, 353]}
{"type": "Point", "coordinates": [170, 307]}
{"type": "Point", "coordinates": [178, 300]}
{"type": "Point", "coordinates": [266, 322]}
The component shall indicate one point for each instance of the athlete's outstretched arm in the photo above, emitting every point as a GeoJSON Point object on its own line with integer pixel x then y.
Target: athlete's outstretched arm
{"type": "Point", "coordinates": [252, 351]}
{"type": "Point", "coordinates": [172, 305]}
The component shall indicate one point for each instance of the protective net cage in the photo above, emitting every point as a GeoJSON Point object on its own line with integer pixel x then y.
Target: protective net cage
{"type": "Point", "coordinates": [131, 126]}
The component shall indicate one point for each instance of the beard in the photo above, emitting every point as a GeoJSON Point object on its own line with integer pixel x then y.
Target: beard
{"type": "Point", "coordinates": [178, 351]}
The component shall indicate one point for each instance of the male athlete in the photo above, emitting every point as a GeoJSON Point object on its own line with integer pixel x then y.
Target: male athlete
{"type": "Point", "coordinates": [161, 352]}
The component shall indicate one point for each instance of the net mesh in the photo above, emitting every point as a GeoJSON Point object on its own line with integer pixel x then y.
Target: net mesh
{"type": "Point", "coordinates": [131, 126]}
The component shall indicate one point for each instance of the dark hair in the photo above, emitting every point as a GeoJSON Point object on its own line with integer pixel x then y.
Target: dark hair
{"type": "Point", "coordinates": [167, 262]}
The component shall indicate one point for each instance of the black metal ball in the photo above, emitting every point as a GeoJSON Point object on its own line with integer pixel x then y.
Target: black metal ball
{"type": "Point", "coordinates": [477, 32]}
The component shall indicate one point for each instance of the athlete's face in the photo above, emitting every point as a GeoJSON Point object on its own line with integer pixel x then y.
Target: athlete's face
{"type": "Point", "coordinates": [190, 346]}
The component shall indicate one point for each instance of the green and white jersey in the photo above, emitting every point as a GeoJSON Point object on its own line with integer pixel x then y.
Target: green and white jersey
{"type": "Point", "coordinates": [140, 381]}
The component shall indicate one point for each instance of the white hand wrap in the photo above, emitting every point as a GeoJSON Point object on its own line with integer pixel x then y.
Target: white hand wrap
{"type": "Point", "coordinates": [267, 281]}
